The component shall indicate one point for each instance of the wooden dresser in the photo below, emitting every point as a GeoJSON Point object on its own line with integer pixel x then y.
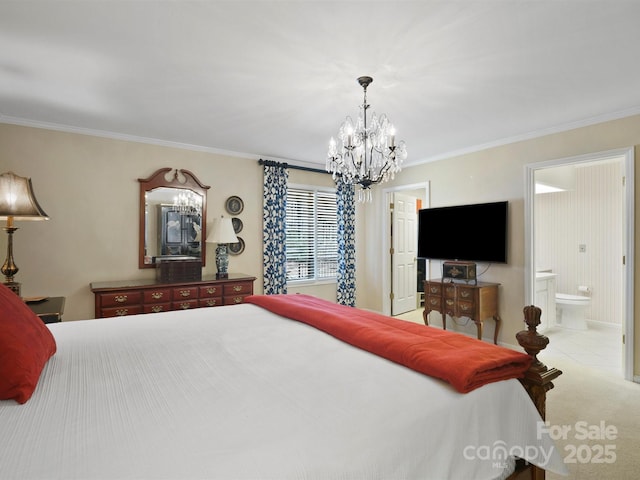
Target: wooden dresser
{"type": "Point", "coordinates": [476, 302]}
{"type": "Point", "coordinates": [129, 297]}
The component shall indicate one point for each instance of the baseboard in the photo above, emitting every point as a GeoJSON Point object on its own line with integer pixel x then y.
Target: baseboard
{"type": "Point", "coordinates": [598, 323]}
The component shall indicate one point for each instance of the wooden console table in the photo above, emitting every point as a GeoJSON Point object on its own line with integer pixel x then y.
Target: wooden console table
{"type": "Point", "coordinates": [477, 302]}
{"type": "Point", "coordinates": [150, 296]}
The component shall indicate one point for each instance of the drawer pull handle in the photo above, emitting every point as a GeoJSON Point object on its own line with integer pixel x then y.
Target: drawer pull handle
{"type": "Point", "coordinates": [156, 308]}
{"type": "Point", "coordinates": [465, 293]}
{"type": "Point", "coordinates": [237, 288]}
{"type": "Point", "coordinates": [433, 289]}
{"type": "Point", "coordinates": [433, 301]}
{"type": "Point", "coordinates": [464, 307]}
{"type": "Point", "coordinates": [211, 290]}
{"type": "Point", "coordinates": [156, 295]}
{"type": "Point", "coordinates": [122, 312]}
{"type": "Point", "coordinates": [237, 299]}
{"type": "Point", "coordinates": [185, 293]}
{"type": "Point", "coordinates": [211, 303]}
{"type": "Point", "coordinates": [449, 302]}
{"type": "Point", "coordinates": [185, 306]}
{"type": "Point", "coordinates": [120, 298]}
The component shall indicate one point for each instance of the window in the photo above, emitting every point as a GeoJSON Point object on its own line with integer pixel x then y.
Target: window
{"type": "Point", "coordinates": [312, 246]}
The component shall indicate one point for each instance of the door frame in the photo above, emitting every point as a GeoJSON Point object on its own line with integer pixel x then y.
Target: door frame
{"type": "Point", "coordinates": [628, 236]}
{"type": "Point", "coordinates": [385, 257]}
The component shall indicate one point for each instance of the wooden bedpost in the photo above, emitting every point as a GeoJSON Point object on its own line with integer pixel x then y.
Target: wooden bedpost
{"type": "Point", "coordinates": [538, 379]}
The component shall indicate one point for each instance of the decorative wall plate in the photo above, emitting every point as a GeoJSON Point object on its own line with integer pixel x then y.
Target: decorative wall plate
{"type": "Point", "coordinates": [237, 224]}
{"type": "Point", "coordinates": [234, 205]}
{"type": "Point", "coordinates": [236, 248]}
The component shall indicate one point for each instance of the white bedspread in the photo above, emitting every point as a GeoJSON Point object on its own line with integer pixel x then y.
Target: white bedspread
{"type": "Point", "coordinates": [240, 393]}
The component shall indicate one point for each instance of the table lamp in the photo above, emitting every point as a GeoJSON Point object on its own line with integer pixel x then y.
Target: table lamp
{"type": "Point", "coordinates": [17, 202]}
{"type": "Point", "coordinates": [222, 233]}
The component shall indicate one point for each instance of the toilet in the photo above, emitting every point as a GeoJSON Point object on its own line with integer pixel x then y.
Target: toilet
{"type": "Point", "coordinates": [571, 309]}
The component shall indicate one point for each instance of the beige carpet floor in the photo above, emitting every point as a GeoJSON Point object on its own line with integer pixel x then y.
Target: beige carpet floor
{"type": "Point", "coordinates": [593, 404]}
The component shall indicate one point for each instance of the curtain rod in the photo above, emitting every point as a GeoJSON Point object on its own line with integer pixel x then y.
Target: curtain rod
{"type": "Point", "coordinates": [271, 163]}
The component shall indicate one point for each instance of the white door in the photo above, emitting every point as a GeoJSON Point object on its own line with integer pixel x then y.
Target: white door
{"type": "Point", "coordinates": [404, 235]}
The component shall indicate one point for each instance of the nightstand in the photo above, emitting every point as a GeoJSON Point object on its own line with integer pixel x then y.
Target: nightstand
{"type": "Point", "coordinates": [50, 309]}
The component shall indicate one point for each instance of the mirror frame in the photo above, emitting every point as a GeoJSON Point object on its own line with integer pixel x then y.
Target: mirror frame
{"type": "Point", "coordinates": [159, 179]}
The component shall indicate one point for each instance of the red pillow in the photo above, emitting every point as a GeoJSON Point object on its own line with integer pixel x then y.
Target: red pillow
{"type": "Point", "coordinates": [25, 346]}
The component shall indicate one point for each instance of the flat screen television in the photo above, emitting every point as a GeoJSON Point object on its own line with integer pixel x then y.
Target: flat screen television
{"type": "Point", "coordinates": [475, 233]}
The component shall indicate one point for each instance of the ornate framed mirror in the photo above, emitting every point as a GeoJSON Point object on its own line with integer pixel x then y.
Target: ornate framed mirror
{"type": "Point", "coordinates": [173, 217]}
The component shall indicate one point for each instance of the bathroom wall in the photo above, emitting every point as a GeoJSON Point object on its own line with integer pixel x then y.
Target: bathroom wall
{"type": "Point", "coordinates": [590, 213]}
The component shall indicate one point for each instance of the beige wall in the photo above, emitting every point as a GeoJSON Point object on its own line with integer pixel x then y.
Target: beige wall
{"type": "Point", "coordinates": [498, 174]}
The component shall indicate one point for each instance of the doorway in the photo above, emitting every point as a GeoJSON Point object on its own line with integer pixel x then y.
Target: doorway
{"type": "Point", "coordinates": [579, 242]}
{"type": "Point", "coordinates": [421, 192]}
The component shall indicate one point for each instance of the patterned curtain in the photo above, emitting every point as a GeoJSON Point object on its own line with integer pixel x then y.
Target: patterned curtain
{"type": "Point", "coordinates": [346, 213]}
{"type": "Point", "coordinates": [274, 233]}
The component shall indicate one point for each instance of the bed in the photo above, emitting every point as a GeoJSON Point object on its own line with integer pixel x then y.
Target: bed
{"type": "Point", "coordinates": [243, 392]}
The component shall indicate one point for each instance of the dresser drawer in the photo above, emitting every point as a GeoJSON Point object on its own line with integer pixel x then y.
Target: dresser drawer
{"type": "Point", "coordinates": [234, 299]}
{"type": "Point", "coordinates": [449, 291]}
{"type": "Point", "coordinates": [156, 307]}
{"type": "Point", "coordinates": [120, 311]}
{"type": "Point", "coordinates": [433, 302]}
{"type": "Point", "coordinates": [239, 288]}
{"type": "Point", "coordinates": [185, 304]}
{"type": "Point", "coordinates": [211, 291]}
{"type": "Point", "coordinates": [184, 293]}
{"type": "Point", "coordinates": [433, 288]}
{"type": "Point", "coordinates": [160, 295]}
{"type": "Point", "coordinates": [450, 306]}
{"type": "Point", "coordinates": [210, 302]}
{"type": "Point", "coordinates": [466, 294]}
{"type": "Point", "coordinates": [116, 299]}
{"type": "Point", "coordinates": [466, 309]}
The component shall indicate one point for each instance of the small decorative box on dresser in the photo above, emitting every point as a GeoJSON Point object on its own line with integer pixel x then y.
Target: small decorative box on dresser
{"type": "Point", "coordinates": [476, 301]}
{"type": "Point", "coordinates": [151, 296]}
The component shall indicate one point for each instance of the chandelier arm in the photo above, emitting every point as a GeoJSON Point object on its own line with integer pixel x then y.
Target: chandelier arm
{"type": "Point", "coordinates": [385, 169]}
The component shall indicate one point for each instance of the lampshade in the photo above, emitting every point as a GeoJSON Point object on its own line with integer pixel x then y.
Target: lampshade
{"type": "Point", "coordinates": [222, 231]}
{"type": "Point", "coordinates": [17, 202]}
{"type": "Point", "coordinates": [17, 199]}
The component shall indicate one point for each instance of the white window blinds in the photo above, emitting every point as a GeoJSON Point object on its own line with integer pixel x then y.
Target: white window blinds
{"type": "Point", "coordinates": [311, 234]}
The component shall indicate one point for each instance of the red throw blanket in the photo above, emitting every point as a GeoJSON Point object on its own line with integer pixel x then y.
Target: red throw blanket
{"type": "Point", "coordinates": [464, 362]}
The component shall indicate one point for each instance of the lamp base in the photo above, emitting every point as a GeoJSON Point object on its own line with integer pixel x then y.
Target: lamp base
{"type": "Point", "coordinates": [13, 286]}
{"type": "Point", "coordinates": [222, 260]}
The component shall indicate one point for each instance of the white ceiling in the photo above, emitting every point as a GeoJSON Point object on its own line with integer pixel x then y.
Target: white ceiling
{"type": "Point", "coordinates": [274, 79]}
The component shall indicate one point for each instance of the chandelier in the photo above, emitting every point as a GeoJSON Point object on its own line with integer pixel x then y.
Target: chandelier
{"type": "Point", "coordinates": [188, 203]}
{"type": "Point", "coordinates": [368, 153]}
